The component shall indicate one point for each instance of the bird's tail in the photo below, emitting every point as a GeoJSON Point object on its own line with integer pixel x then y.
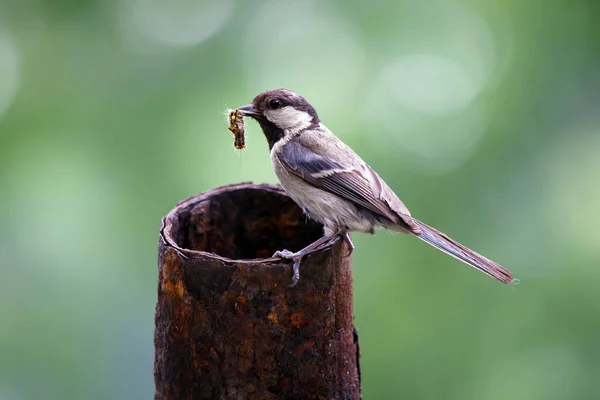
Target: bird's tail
{"type": "Point", "coordinates": [442, 242]}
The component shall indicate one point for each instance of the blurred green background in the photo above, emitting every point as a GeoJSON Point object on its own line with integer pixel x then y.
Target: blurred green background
{"type": "Point", "coordinates": [482, 115]}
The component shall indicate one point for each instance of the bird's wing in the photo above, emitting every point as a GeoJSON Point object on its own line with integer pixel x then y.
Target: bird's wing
{"type": "Point", "coordinates": [356, 181]}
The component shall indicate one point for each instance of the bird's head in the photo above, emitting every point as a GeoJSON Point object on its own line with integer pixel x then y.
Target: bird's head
{"type": "Point", "coordinates": [281, 112]}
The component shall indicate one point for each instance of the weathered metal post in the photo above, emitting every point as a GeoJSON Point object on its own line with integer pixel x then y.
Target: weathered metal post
{"type": "Point", "coordinates": [227, 325]}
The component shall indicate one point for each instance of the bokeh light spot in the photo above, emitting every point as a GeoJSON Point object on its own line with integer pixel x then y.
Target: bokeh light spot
{"type": "Point", "coordinates": [572, 189]}
{"type": "Point", "coordinates": [431, 86]}
{"type": "Point", "coordinates": [175, 23]}
{"type": "Point", "coordinates": [315, 52]}
{"type": "Point", "coordinates": [430, 83]}
{"type": "Point", "coordinates": [63, 207]}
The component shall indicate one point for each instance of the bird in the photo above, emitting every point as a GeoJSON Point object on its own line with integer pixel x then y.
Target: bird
{"type": "Point", "coordinates": [335, 187]}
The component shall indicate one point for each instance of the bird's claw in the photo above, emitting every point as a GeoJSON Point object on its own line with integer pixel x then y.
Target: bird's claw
{"type": "Point", "coordinates": [348, 241]}
{"type": "Point", "coordinates": [288, 255]}
{"type": "Point", "coordinates": [285, 254]}
{"type": "Point", "coordinates": [316, 246]}
{"type": "Point", "coordinates": [296, 276]}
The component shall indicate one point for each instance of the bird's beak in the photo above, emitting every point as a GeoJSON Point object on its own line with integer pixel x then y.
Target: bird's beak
{"type": "Point", "coordinates": [248, 110]}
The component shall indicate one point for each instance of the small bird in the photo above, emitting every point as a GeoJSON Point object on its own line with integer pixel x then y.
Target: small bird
{"type": "Point", "coordinates": [335, 187]}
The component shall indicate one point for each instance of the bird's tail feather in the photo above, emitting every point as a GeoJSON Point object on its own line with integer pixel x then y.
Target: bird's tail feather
{"type": "Point", "coordinates": [442, 242]}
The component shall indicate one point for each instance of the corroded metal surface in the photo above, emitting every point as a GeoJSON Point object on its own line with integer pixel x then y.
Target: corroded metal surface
{"type": "Point", "coordinates": [227, 325]}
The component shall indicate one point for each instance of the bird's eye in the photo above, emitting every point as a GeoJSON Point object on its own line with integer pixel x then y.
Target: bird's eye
{"type": "Point", "coordinates": [274, 103]}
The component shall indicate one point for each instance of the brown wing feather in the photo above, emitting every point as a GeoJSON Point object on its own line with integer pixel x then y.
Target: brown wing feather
{"type": "Point", "coordinates": [361, 186]}
{"type": "Point", "coordinates": [382, 191]}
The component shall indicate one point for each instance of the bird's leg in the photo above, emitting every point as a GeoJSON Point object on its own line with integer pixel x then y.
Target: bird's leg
{"type": "Point", "coordinates": [345, 235]}
{"type": "Point", "coordinates": [297, 256]}
{"type": "Point", "coordinates": [332, 240]}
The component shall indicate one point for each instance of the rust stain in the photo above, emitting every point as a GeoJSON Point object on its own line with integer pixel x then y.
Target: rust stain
{"type": "Point", "coordinates": [245, 355]}
{"type": "Point", "coordinates": [173, 289]}
{"type": "Point", "coordinates": [315, 299]}
{"type": "Point", "coordinates": [297, 319]}
{"type": "Point", "coordinates": [272, 317]}
{"type": "Point", "coordinates": [305, 346]}
{"type": "Point", "coordinates": [171, 277]}
{"type": "Point", "coordinates": [195, 354]}
{"type": "Point", "coordinates": [201, 317]}
{"type": "Point", "coordinates": [299, 350]}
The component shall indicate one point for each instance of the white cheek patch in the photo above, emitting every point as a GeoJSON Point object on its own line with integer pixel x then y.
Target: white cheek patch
{"type": "Point", "coordinates": [289, 119]}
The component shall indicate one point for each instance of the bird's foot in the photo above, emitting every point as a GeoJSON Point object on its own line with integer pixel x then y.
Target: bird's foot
{"type": "Point", "coordinates": [285, 254]}
{"type": "Point", "coordinates": [296, 258]}
{"type": "Point", "coordinates": [320, 244]}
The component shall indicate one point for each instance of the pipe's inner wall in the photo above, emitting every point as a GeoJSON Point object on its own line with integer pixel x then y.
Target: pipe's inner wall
{"type": "Point", "coordinates": [244, 223]}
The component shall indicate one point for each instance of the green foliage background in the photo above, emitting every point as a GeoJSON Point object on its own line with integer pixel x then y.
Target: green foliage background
{"type": "Point", "coordinates": [482, 115]}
